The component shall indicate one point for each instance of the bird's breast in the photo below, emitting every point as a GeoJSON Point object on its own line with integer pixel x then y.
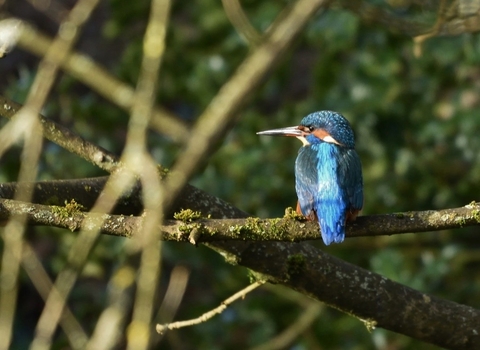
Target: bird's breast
{"type": "Point", "coordinates": [316, 168]}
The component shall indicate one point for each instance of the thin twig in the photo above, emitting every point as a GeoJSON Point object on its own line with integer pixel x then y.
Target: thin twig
{"type": "Point", "coordinates": [14, 230]}
{"type": "Point", "coordinates": [238, 18]}
{"type": "Point", "coordinates": [138, 160]}
{"type": "Point", "coordinates": [173, 297]}
{"type": "Point", "coordinates": [420, 39]}
{"type": "Point", "coordinates": [66, 138]}
{"type": "Point", "coordinates": [109, 328]}
{"type": "Point", "coordinates": [100, 80]}
{"type": "Point", "coordinates": [40, 279]}
{"type": "Point", "coordinates": [161, 328]}
{"type": "Point", "coordinates": [285, 339]}
{"type": "Point", "coordinates": [31, 132]}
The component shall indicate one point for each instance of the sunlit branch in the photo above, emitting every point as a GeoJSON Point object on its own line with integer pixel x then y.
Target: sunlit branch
{"type": "Point", "coordinates": [285, 339]}
{"type": "Point", "coordinates": [136, 157]}
{"type": "Point", "coordinates": [65, 138]}
{"type": "Point", "coordinates": [238, 18]}
{"type": "Point", "coordinates": [111, 322]}
{"type": "Point", "coordinates": [32, 135]}
{"type": "Point", "coordinates": [286, 229]}
{"type": "Point", "coordinates": [208, 315]}
{"type": "Point", "coordinates": [41, 280]}
{"type": "Point", "coordinates": [90, 73]}
{"type": "Point", "coordinates": [177, 286]}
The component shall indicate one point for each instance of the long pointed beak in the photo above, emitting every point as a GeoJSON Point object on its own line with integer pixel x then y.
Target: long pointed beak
{"type": "Point", "coordinates": [290, 131]}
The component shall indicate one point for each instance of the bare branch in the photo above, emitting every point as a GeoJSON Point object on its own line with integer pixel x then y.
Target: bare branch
{"type": "Point", "coordinates": [285, 338]}
{"type": "Point", "coordinates": [238, 18]}
{"type": "Point", "coordinates": [208, 315]}
{"type": "Point", "coordinates": [373, 299]}
{"type": "Point", "coordinates": [65, 138]}
{"type": "Point", "coordinates": [376, 14]}
{"type": "Point", "coordinates": [98, 79]}
{"type": "Point", "coordinates": [288, 229]}
{"type": "Point", "coordinates": [136, 157]}
{"type": "Point", "coordinates": [460, 17]}
{"type": "Point", "coordinates": [86, 191]}
{"type": "Point", "coordinates": [40, 279]}
{"type": "Point", "coordinates": [31, 133]}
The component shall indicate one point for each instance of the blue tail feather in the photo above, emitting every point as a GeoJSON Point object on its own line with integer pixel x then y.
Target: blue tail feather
{"type": "Point", "coordinates": [332, 221]}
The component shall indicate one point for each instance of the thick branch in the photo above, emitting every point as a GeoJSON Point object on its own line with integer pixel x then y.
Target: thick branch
{"type": "Point", "coordinates": [86, 191]}
{"type": "Point", "coordinates": [366, 295]}
{"type": "Point", "coordinates": [376, 300]}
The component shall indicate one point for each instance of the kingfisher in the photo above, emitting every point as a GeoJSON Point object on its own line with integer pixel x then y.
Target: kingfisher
{"type": "Point", "coordinates": [328, 172]}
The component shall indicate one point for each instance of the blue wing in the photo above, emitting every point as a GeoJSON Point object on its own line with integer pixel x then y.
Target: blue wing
{"type": "Point", "coordinates": [350, 177]}
{"type": "Point", "coordinates": [306, 183]}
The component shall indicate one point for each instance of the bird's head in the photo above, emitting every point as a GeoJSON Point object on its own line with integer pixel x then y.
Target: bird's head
{"type": "Point", "coordinates": [323, 126]}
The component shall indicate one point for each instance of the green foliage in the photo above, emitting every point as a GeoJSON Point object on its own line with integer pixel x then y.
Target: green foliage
{"type": "Point", "coordinates": [416, 127]}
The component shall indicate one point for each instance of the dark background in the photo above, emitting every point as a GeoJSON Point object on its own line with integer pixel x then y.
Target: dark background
{"type": "Point", "coordinates": [417, 131]}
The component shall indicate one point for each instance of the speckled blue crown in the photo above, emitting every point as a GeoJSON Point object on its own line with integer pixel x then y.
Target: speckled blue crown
{"type": "Point", "coordinates": [334, 123]}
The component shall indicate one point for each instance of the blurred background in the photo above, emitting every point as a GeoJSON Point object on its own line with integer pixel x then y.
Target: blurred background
{"type": "Point", "coordinates": [417, 132]}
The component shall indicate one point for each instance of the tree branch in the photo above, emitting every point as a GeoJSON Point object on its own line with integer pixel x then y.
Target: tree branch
{"type": "Point", "coordinates": [376, 300]}
{"type": "Point", "coordinates": [366, 295]}
{"type": "Point", "coordinates": [161, 328]}
{"type": "Point", "coordinates": [286, 229]}
{"type": "Point", "coordinates": [65, 138]}
{"type": "Point", "coordinates": [97, 78]}
{"type": "Point", "coordinates": [285, 339]}
{"type": "Point", "coordinates": [238, 18]}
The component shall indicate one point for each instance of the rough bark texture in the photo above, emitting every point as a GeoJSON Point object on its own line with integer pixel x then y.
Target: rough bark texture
{"type": "Point", "coordinates": [86, 191]}
{"type": "Point", "coordinates": [291, 228]}
{"type": "Point", "coordinates": [376, 300]}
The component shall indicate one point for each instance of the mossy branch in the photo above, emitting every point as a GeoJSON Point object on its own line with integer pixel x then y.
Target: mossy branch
{"type": "Point", "coordinates": [374, 299]}
{"type": "Point", "coordinates": [190, 226]}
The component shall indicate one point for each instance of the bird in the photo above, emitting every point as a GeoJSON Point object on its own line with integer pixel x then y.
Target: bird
{"type": "Point", "coordinates": [328, 172]}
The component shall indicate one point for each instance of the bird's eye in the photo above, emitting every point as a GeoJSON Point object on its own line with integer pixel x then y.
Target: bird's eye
{"type": "Point", "coordinates": [311, 128]}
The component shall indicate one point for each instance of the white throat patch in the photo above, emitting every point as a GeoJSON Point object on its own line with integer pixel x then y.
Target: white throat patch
{"type": "Point", "coordinates": [303, 140]}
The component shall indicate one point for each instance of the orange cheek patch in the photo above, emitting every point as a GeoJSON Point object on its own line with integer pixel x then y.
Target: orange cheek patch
{"type": "Point", "coordinates": [320, 133]}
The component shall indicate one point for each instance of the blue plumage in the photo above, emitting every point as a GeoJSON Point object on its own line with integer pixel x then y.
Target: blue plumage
{"type": "Point", "coordinates": [328, 172]}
